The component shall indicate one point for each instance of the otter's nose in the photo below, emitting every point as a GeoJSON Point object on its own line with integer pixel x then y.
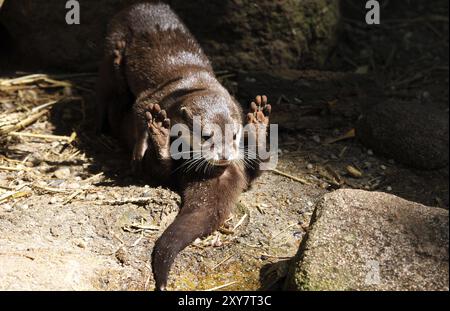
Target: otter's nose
{"type": "Point", "coordinates": [227, 154]}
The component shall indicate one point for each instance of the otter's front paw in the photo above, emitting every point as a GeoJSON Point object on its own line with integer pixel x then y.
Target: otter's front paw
{"type": "Point", "coordinates": [259, 113]}
{"type": "Point", "coordinates": [159, 129]}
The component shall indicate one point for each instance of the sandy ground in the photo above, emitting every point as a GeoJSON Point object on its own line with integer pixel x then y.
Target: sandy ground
{"type": "Point", "coordinates": [76, 218]}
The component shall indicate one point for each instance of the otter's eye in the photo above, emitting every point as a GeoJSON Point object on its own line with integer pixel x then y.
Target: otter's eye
{"type": "Point", "coordinates": [234, 136]}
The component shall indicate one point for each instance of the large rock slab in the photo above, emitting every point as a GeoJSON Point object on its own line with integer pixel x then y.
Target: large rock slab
{"type": "Point", "coordinates": [236, 34]}
{"type": "Point", "coordinates": [361, 240]}
{"type": "Point", "coordinates": [412, 133]}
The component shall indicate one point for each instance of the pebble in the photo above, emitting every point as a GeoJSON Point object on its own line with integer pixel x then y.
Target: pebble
{"type": "Point", "coordinates": [33, 161]}
{"type": "Point", "coordinates": [388, 188]}
{"type": "Point", "coordinates": [148, 194]}
{"type": "Point", "coordinates": [80, 244]}
{"type": "Point", "coordinates": [62, 173]}
{"type": "Point", "coordinates": [7, 207]}
{"type": "Point", "coordinates": [309, 166]}
{"type": "Point", "coordinates": [54, 200]}
{"type": "Point", "coordinates": [91, 196]}
{"type": "Point", "coordinates": [23, 206]}
{"type": "Point", "coordinates": [354, 172]}
{"type": "Point", "coordinates": [316, 138]}
{"type": "Point", "coordinates": [370, 152]}
{"type": "Point", "coordinates": [383, 167]}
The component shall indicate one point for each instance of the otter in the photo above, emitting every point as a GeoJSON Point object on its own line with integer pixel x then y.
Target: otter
{"type": "Point", "coordinates": [154, 74]}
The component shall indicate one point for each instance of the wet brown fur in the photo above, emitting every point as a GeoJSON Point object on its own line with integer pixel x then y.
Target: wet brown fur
{"type": "Point", "coordinates": [151, 58]}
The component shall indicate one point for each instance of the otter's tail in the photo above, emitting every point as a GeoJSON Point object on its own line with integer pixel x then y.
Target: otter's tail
{"type": "Point", "coordinates": [187, 227]}
{"type": "Point", "coordinates": [206, 205]}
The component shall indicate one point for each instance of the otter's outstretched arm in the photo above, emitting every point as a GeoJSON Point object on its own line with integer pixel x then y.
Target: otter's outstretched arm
{"type": "Point", "coordinates": [258, 116]}
{"type": "Point", "coordinates": [156, 144]}
{"type": "Point", "coordinates": [206, 205]}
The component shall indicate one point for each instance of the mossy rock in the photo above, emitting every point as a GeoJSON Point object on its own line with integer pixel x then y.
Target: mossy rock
{"type": "Point", "coordinates": [360, 240]}
{"type": "Point", "coordinates": [237, 34]}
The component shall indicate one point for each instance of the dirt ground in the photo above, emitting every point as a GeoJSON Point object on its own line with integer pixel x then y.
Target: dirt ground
{"type": "Point", "coordinates": [72, 216]}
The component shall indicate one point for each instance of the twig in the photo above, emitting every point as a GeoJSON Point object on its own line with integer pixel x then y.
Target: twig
{"type": "Point", "coordinates": [14, 195]}
{"type": "Point", "coordinates": [50, 189]}
{"type": "Point", "coordinates": [42, 136]}
{"type": "Point", "coordinates": [240, 222]}
{"type": "Point", "coordinates": [284, 230]}
{"type": "Point", "coordinates": [140, 227]}
{"type": "Point", "coordinates": [137, 201]}
{"type": "Point", "coordinates": [13, 169]}
{"type": "Point", "coordinates": [273, 256]}
{"type": "Point", "coordinates": [72, 196]}
{"type": "Point", "coordinates": [220, 286]}
{"type": "Point", "coordinates": [300, 180]}
{"type": "Point", "coordinates": [350, 134]}
{"type": "Point", "coordinates": [23, 124]}
{"type": "Point", "coordinates": [222, 262]}
{"type": "Point", "coordinates": [88, 180]}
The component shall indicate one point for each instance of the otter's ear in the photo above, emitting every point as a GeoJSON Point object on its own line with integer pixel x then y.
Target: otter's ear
{"type": "Point", "coordinates": [186, 113]}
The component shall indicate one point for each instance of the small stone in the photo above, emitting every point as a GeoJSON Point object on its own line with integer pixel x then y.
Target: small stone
{"type": "Point", "coordinates": [91, 196]}
{"type": "Point", "coordinates": [62, 173]}
{"type": "Point", "coordinates": [370, 152]}
{"type": "Point", "coordinates": [23, 206]}
{"type": "Point", "coordinates": [7, 207]}
{"type": "Point", "coordinates": [383, 167]}
{"type": "Point", "coordinates": [80, 243]}
{"type": "Point", "coordinates": [316, 138]}
{"type": "Point", "coordinates": [309, 166]}
{"type": "Point", "coordinates": [388, 188]}
{"type": "Point", "coordinates": [53, 200]}
{"type": "Point", "coordinates": [353, 171]}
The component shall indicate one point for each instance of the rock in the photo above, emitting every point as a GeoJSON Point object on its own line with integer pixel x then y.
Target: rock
{"type": "Point", "coordinates": [414, 134]}
{"type": "Point", "coordinates": [236, 34]}
{"type": "Point", "coordinates": [62, 173]}
{"type": "Point", "coordinates": [361, 240]}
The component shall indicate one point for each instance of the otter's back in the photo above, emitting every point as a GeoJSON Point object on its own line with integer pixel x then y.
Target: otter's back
{"type": "Point", "coordinates": [159, 47]}
{"type": "Point", "coordinates": [146, 17]}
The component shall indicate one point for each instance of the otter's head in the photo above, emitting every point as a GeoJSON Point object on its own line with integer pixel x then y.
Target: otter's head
{"type": "Point", "coordinates": [215, 124]}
